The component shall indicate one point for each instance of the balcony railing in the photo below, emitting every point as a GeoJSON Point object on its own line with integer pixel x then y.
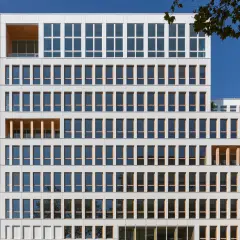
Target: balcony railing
{"type": "Point", "coordinates": [23, 55]}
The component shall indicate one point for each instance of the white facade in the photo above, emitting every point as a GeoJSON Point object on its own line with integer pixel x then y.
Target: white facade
{"type": "Point", "coordinates": [142, 135]}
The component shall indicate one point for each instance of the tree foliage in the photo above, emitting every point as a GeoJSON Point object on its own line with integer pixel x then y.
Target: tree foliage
{"type": "Point", "coordinates": [220, 17]}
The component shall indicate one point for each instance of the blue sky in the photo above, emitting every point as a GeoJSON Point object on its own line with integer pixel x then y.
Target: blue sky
{"type": "Point", "coordinates": [225, 54]}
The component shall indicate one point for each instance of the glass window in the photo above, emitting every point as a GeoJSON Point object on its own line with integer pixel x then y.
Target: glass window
{"type": "Point", "coordinates": [67, 128]}
{"type": "Point", "coordinates": [114, 40]}
{"type": "Point", "coordinates": [88, 74]}
{"type": "Point", "coordinates": [77, 101]}
{"type": "Point", "coordinates": [135, 36]}
{"type": "Point", "coordinates": [6, 101]}
{"type": "Point", "coordinates": [88, 182]}
{"type": "Point", "coordinates": [119, 101]}
{"type": "Point", "coordinates": [77, 128]}
{"type": "Point", "coordinates": [98, 101]}
{"type": "Point", "coordinates": [202, 75]}
{"type": "Point", "coordinates": [171, 128]}
{"type": "Point", "coordinates": [26, 102]}
{"type": "Point", "coordinates": [109, 75]}
{"type": "Point", "coordinates": [181, 128]}
{"type": "Point", "coordinates": [57, 155]}
{"type": "Point", "coordinates": [197, 43]}
{"type": "Point", "coordinates": [130, 102]}
{"type": "Point", "coordinates": [57, 75]}
{"type": "Point", "coordinates": [161, 75]}
{"type": "Point", "coordinates": [93, 40]}
{"type": "Point", "coordinates": [57, 182]}
{"type": "Point", "coordinates": [109, 101]}
{"type": "Point", "coordinates": [78, 182]}
{"type": "Point", "coordinates": [36, 208]}
{"type": "Point", "coordinates": [46, 74]}
{"type": "Point", "coordinates": [57, 102]}
{"type": "Point", "coordinates": [98, 74]}
{"type": "Point", "coordinates": [52, 40]}
{"type": "Point", "coordinates": [119, 75]}
{"type": "Point", "coordinates": [15, 75]}
{"type": "Point", "coordinates": [161, 128]}
{"type": "Point", "coordinates": [78, 74]}
{"type": "Point", "coordinates": [140, 155]}
{"type": "Point", "coordinates": [150, 128]}
{"type": "Point", "coordinates": [119, 128]}
{"type": "Point", "coordinates": [171, 75]}
{"type": "Point", "coordinates": [140, 101]}
{"type": "Point", "coordinates": [119, 155]}
{"type": "Point", "coordinates": [15, 182]}
{"type": "Point", "coordinates": [223, 128]}
{"type": "Point", "coordinates": [140, 128]}
{"type": "Point", "coordinates": [182, 75]}
{"type": "Point", "coordinates": [98, 129]}
{"type": "Point", "coordinates": [46, 102]}
{"type": "Point", "coordinates": [88, 102]}
{"type": "Point", "coordinates": [181, 102]}
{"type": "Point", "coordinates": [67, 155]}
{"type": "Point", "coordinates": [36, 102]}
{"type": "Point", "coordinates": [88, 128]}
{"type": "Point", "coordinates": [171, 102]}
{"type": "Point", "coordinates": [150, 74]}
{"type": "Point", "coordinates": [213, 128]}
{"type": "Point", "coordinates": [109, 182]}
{"type": "Point", "coordinates": [130, 155]}
{"type": "Point", "coordinates": [15, 155]}
{"type": "Point", "coordinates": [67, 102]}
{"type": "Point", "coordinates": [15, 208]}
{"type": "Point", "coordinates": [47, 182]}
{"type": "Point", "coordinates": [7, 75]}
{"type": "Point", "coordinates": [15, 102]}
{"type": "Point", "coordinates": [155, 40]}
{"type": "Point", "coordinates": [192, 128]}
{"type": "Point", "coordinates": [78, 155]}
{"type": "Point", "coordinates": [36, 155]}
{"type": "Point", "coordinates": [67, 182]}
{"type": "Point", "coordinates": [171, 155]}
{"type": "Point", "coordinates": [57, 208]}
{"type": "Point", "coordinates": [161, 101]}
{"type": "Point", "coordinates": [130, 75]}
{"type": "Point", "coordinates": [130, 128]}
{"type": "Point", "coordinates": [192, 75]}
{"type": "Point", "coordinates": [47, 208]}
{"type": "Point", "coordinates": [36, 182]}
{"type": "Point", "coordinates": [36, 75]}
{"type": "Point", "coordinates": [88, 155]}
{"type": "Point", "coordinates": [177, 40]}
{"type": "Point", "coordinates": [72, 40]}
{"type": "Point", "coordinates": [67, 208]}
{"type": "Point", "coordinates": [192, 101]}
{"type": "Point", "coordinates": [202, 128]}
{"type": "Point", "coordinates": [140, 75]}
{"type": "Point", "coordinates": [98, 155]}
{"type": "Point", "coordinates": [26, 208]}
{"type": "Point", "coordinates": [26, 75]}
{"type": "Point", "coordinates": [150, 101]}
{"type": "Point", "coordinates": [202, 101]}
{"type": "Point", "coordinates": [67, 75]}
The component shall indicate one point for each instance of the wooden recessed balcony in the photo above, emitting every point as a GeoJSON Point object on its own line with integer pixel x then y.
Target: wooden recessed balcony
{"type": "Point", "coordinates": [22, 40]}
{"type": "Point", "coordinates": [32, 128]}
{"type": "Point", "coordinates": [225, 155]}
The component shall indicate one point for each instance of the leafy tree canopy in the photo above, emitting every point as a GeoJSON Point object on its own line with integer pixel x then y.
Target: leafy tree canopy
{"type": "Point", "coordinates": [220, 17]}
